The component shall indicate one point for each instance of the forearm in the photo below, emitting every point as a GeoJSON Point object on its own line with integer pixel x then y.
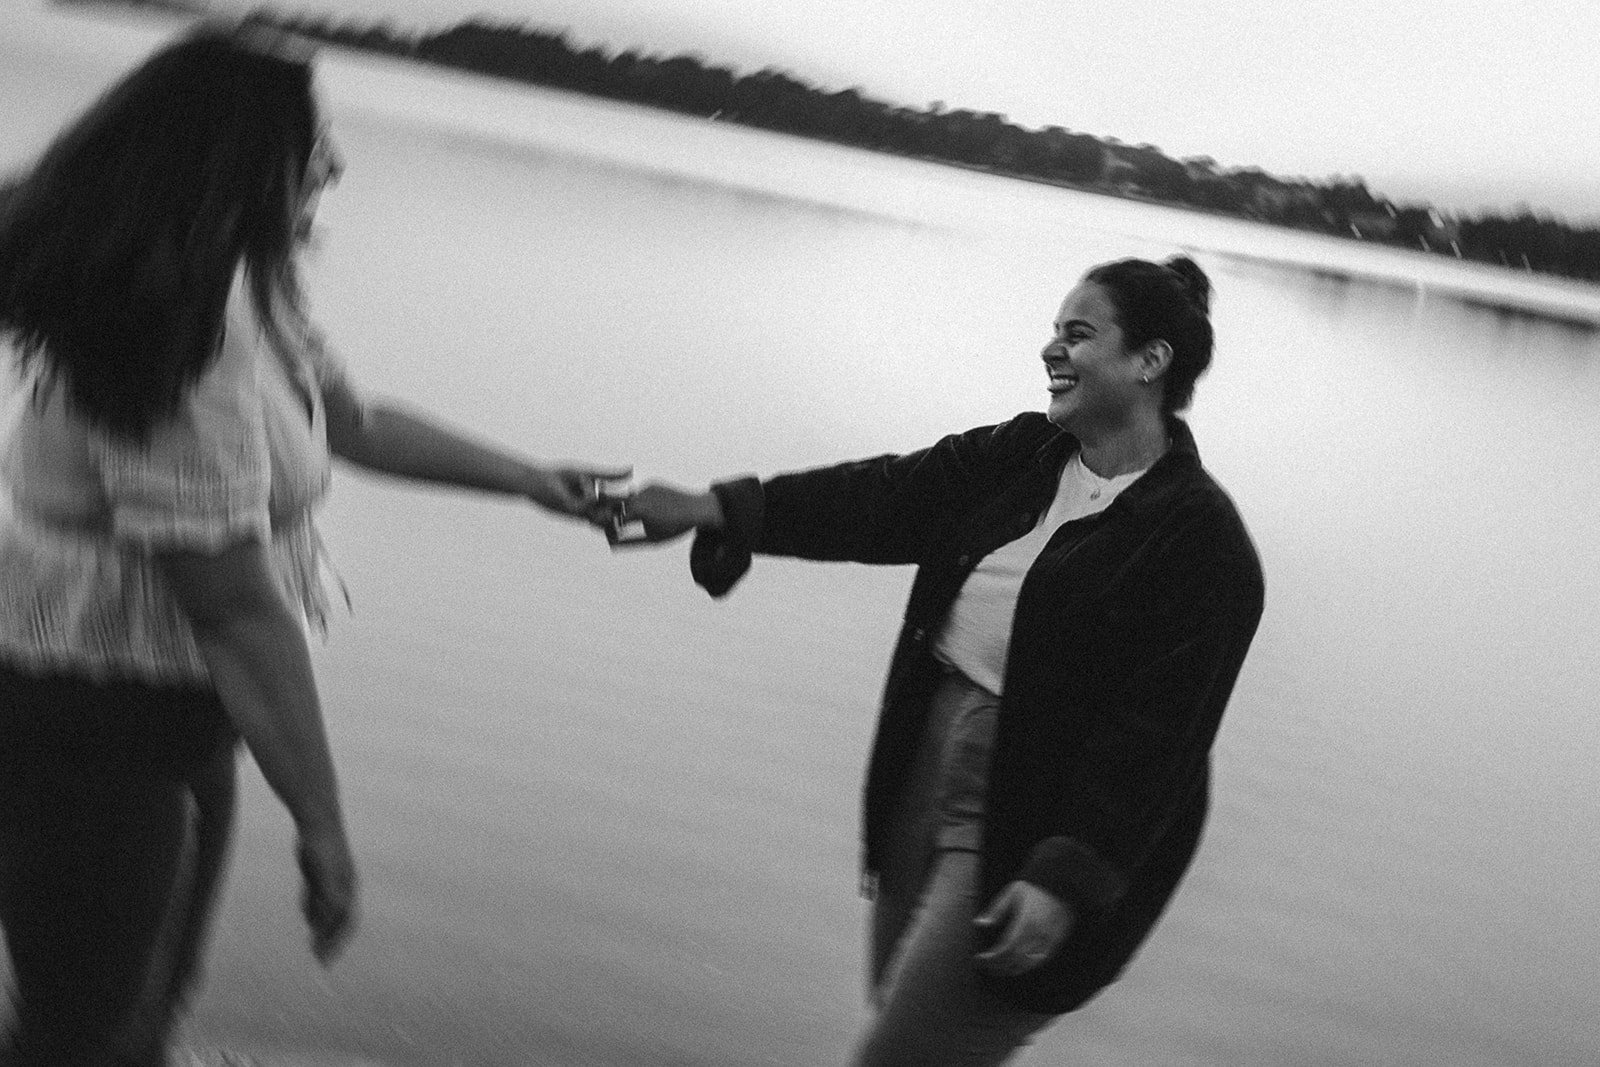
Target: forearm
{"type": "Point", "coordinates": [394, 441]}
{"type": "Point", "coordinates": [732, 524]}
{"type": "Point", "coordinates": [262, 670]}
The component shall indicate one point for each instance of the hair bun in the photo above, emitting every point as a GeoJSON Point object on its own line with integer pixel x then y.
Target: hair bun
{"type": "Point", "coordinates": [1196, 286]}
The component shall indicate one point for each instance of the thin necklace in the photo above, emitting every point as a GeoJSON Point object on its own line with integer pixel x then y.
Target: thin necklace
{"type": "Point", "coordinates": [1095, 483]}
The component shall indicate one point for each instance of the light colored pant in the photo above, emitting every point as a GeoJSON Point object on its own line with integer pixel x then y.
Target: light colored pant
{"type": "Point", "coordinates": [931, 1010]}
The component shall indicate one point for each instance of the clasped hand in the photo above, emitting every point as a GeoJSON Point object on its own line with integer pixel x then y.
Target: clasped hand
{"type": "Point", "coordinates": [568, 489]}
{"type": "Point", "coordinates": [656, 513]}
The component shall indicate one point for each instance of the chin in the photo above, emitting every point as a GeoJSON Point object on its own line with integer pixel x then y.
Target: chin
{"type": "Point", "coordinates": [1060, 415]}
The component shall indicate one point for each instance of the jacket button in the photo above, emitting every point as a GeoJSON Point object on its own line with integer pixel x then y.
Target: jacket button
{"type": "Point", "coordinates": [918, 635]}
{"type": "Point", "coordinates": [963, 559]}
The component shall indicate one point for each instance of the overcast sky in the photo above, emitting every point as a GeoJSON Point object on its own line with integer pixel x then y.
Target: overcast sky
{"type": "Point", "coordinates": [1465, 103]}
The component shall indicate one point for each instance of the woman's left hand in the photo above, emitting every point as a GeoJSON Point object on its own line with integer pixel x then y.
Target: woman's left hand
{"type": "Point", "coordinates": [1032, 923]}
{"type": "Point", "coordinates": [572, 490]}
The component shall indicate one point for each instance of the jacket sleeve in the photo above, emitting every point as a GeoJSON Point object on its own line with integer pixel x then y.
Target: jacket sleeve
{"type": "Point", "coordinates": [1151, 731]}
{"type": "Point", "coordinates": [887, 509]}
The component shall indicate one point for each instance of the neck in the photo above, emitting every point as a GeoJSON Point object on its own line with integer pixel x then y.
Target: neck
{"type": "Point", "coordinates": [1128, 448]}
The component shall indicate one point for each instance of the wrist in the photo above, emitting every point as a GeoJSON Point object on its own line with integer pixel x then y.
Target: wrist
{"type": "Point", "coordinates": [531, 480]}
{"type": "Point", "coordinates": [708, 512]}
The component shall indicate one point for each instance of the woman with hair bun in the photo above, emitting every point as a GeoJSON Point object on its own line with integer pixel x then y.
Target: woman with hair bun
{"type": "Point", "coordinates": [1084, 598]}
{"type": "Point", "coordinates": [159, 564]}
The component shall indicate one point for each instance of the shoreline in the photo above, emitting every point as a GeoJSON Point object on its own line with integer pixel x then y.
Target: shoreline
{"type": "Point", "coordinates": [1555, 298]}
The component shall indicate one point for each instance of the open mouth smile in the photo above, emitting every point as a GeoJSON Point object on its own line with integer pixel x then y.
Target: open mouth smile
{"type": "Point", "coordinates": [1062, 381]}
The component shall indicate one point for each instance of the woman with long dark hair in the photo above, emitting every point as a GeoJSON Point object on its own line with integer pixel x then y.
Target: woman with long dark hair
{"type": "Point", "coordinates": [159, 564]}
{"type": "Point", "coordinates": [1084, 599]}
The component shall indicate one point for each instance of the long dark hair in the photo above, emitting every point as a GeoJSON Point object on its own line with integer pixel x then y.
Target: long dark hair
{"type": "Point", "coordinates": [1170, 301]}
{"type": "Point", "coordinates": [119, 247]}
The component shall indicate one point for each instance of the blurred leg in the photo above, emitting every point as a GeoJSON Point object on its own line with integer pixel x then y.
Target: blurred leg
{"type": "Point", "coordinates": [179, 959]}
{"type": "Point", "coordinates": [907, 851]}
{"type": "Point", "coordinates": [900, 886]}
{"type": "Point", "coordinates": [932, 1011]}
{"type": "Point", "coordinates": [91, 862]}
{"type": "Point", "coordinates": [215, 792]}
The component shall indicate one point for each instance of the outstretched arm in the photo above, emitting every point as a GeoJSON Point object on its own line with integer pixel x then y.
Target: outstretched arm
{"type": "Point", "coordinates": [385, 437]}
{"type": "Point", "coordinates": [885, 509]}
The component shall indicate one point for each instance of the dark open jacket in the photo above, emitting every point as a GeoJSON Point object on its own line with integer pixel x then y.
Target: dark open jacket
{"type": "Point", "coordinates": [1129, 632]}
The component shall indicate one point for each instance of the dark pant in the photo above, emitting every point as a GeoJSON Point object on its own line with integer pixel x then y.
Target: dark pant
{"type": "Point", "coordinates": [98, 879]}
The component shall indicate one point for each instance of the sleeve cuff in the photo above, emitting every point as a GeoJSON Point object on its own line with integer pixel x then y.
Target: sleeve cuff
{"type": "Point", "coordinates": [1074, 872]}
{"type": "Point", "coordinates": [719, 558]}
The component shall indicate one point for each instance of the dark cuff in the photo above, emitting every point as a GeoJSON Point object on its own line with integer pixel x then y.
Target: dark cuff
{"type": "Point", "coordinates": [719, 558]}
{"type": "Point", "coordinates": [1074, 872]}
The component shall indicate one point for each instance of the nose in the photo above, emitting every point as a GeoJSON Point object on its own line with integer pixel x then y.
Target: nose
{"type": "Point", "coordinates": [329, 168]}
{"type": "Point", "coordinates": [326, 163]}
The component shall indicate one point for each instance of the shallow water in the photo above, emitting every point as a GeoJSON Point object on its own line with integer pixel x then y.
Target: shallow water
{"type": "Point", "coordinates": [604, 820]}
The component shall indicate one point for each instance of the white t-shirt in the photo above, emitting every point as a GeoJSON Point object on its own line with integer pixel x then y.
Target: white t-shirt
{"type": "Point", "coordinates": [977, 632]}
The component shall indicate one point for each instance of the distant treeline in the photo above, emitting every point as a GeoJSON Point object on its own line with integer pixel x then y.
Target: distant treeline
{"type": "Point", "coordinates": [775, 100]}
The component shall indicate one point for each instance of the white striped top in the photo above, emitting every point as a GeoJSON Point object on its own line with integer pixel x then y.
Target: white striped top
{"type": "Point", "coordinates": [246, 457]}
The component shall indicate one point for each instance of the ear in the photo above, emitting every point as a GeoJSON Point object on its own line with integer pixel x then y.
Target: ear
{"type": "Point", "coordinates": [1154, 359]}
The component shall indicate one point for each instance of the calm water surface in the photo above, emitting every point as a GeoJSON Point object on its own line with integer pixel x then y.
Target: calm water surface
{"type": "Point", "coordinates": [604, 820]}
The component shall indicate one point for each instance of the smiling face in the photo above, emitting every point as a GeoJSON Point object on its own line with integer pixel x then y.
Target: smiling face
{"type": "Point", "coordinates": [1094, 379]}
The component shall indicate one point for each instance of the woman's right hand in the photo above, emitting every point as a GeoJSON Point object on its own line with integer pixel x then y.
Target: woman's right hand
{"type": "Point", "coordinates": [328, 898]}
{"type": "Point", "coordinates": [667, 512]}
